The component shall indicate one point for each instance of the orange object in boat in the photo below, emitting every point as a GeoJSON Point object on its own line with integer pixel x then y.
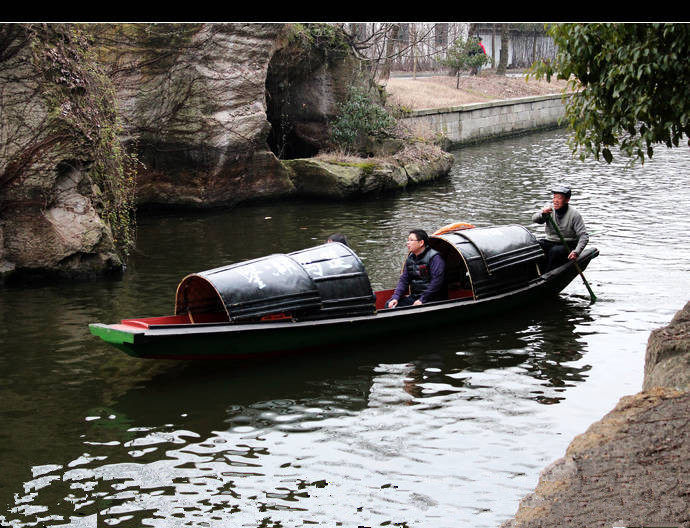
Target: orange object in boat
{"type": "Point", "coordinates": [457, 226]}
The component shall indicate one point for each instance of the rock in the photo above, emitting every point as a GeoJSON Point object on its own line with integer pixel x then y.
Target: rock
{"type": "Point", "coordinates": [67, 237]}
{"type": "Point", "coordinates": [667, 360]}
{"type": "Point", "coordinates": [631, 467]}
{"type": "Point", "coordinates": [200, 114]}
{"type": "Point", "coordinates": [54, 110]}
{"type": "Point", "coordinates": [333, 180]}
{"type": "Point", "coordinates": [312, 177]}
{"type": "Point", "coordinates": [207, 116]}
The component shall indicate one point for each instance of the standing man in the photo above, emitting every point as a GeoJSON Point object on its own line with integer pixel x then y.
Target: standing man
{"type": "Point", "coordinates": [481, 45]}
{"type": "Point", "coordinates": [570, 224]}
{"type": "Point", "coordinates": [423, 273]}
{"type": "Point", "coordinates": [482, 50]}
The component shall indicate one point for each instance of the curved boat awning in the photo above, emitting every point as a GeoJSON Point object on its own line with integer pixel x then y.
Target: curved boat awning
{"type": "Point", "coordinates": [489, 260]}
{"type": "Point", "coordinates": [323, 281]}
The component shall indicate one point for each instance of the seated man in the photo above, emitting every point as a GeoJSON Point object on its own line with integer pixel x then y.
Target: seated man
{"type": "Point", "coordinates": [423, 274]}
{"type": "Point", "coordinates": [571, 225]}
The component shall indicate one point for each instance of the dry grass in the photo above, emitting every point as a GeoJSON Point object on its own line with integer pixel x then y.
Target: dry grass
{"type": "Point", "coordinates": [441, 92]}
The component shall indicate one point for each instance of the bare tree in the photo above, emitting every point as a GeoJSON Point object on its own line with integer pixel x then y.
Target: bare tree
{"type": "Point", "coordinates": [503, 62]}
{"type": "Point", "coordinates": [413, 46]}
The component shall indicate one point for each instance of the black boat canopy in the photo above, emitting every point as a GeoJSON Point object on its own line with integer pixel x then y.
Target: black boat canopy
{"type": "Point", "coordinates": [489, 260]}
{"type": "Point", "coordinates": [324, 281]}
{"type": "Point", "coordinates": [330, 280]}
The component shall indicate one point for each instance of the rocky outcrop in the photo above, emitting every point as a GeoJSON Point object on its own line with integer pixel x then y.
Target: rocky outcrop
{"type": "Point", "coordinates": [64, 236]}
{"type": "Point", "coordinates": [55, 119]}
{"type": "Point", "coordinates": [334, 180]}
{"type": "Point", "coordinates": [630, 468]}
{"type": "Point", "coordinates": [211, 112]}
{"type": "Point", "coordinates": [194, 97]}
{"type": "Point", "coordinates": [214, 120]}
{"type": "Point", "coordinates": [667, 361]}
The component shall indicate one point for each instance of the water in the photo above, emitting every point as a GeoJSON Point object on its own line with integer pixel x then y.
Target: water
{"type": "Point", "coordinates": [437, 429]}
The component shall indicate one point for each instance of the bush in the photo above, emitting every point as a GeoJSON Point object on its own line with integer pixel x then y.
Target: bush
{"type": "Point", "coordinates": [359, 117]}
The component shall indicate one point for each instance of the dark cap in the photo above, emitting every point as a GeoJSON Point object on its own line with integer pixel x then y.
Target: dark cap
{"type": "Point", "coordinates": [561, 189]}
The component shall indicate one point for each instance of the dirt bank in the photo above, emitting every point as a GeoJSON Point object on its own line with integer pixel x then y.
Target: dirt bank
{"type": "Point", "coordinates": [440, 90]}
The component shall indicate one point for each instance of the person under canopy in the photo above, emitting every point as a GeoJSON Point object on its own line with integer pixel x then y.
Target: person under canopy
{"type": "Point", "coordinates": [423, 276]}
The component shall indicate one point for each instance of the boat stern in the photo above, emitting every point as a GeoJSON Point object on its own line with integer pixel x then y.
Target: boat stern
{"type": "Point", "coordinates": [121, 336]}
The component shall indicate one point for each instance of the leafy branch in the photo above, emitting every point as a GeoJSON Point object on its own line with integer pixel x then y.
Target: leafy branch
{"type": "Point", "coordinates": [632, 84]}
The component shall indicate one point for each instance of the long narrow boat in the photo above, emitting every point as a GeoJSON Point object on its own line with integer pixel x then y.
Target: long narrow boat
{"type": "Point", "coordinates": [321, 296]}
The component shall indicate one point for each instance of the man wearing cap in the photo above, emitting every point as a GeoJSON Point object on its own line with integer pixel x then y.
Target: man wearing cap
{"type": "Point", "coordinates": [570, 224]}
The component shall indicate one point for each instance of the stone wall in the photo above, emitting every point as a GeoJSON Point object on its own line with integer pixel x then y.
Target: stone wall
{"type": "Point", "coordinates": [476, 122]}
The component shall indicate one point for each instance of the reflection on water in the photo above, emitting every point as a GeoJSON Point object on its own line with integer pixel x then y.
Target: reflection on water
{"type": "Point", "coordinates": [436, 429]}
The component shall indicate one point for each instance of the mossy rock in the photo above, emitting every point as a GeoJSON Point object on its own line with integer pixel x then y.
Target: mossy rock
{"type": "Point", "coordinates": [312, 177]}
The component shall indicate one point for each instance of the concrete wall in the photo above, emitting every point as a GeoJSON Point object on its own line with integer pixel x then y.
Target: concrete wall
{"type": "Point", "coordinates": [476, 122]}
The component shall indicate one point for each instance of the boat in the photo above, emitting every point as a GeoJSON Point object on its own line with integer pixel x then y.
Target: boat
{"type": "Point", "coordinates": [321, 296]}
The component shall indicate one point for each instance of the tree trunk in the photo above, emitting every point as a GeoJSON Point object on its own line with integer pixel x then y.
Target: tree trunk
{"type": "Point", "coordinates": [391, 40]}
{"type": "Point", "coordinates": [503, 62]}
{"type": "Point", "coordinates": [471, 30]}
{"type": "Point", "coordinates": [413, 34]}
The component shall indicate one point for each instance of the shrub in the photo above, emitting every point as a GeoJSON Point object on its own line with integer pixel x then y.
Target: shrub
{"type": "Point", "coordinates": [359, 116]}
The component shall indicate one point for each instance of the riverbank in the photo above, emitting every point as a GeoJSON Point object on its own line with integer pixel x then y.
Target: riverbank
{"type": "Point", "coordinates": [477, 108]}
{"type": "Point", "coordinates": [631, 467]}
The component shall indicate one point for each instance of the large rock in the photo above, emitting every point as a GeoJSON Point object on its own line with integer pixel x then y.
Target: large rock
{"type": "Point", "coordinates": [65, 237]}
{"type": "Point", "coordinates": [667, 361]}
{"type": "Point", "coordinates": [629, 469]}
{"type": "Point", "coordinates": [207, 116]}
{"type": "Point", "coordinates": [199, 112]}
{"type": "Point", "coordinates": [632, 467]}
{"type": "Point", "coordinates": [55, 116]}
{"type": "Point", "coordinates": [334, 180]}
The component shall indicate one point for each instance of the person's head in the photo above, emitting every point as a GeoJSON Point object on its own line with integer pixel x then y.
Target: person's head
{"type": "Point", "coordinates": [561, 195]}
{"type": "Point", "coordinates": [417, 241]}
{"type": "Point", "coordinates": [337, 237]}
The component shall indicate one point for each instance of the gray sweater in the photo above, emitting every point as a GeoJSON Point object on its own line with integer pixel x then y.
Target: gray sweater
{"type": "Point", "coordinates": [571, 225]}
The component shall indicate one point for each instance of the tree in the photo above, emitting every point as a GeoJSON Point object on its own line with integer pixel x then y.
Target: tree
{"type": "Point", "coordinates": [464, 54]}
{"type": "Point", "coordinates": [503, 62]}
{"type": "Point", "coordinates": [632, 84]}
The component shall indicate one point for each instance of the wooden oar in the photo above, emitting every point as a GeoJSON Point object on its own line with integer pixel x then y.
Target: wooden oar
{"type": "Point", "coordinates": [577, 266]}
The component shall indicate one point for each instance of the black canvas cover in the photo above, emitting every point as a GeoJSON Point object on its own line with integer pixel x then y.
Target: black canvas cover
{"type": "Point", "coordinates": [341, 279]}
{"type": "Point", "coordinates": [327, 280]}
{"type": "Point", "coordinates": [490, 260]}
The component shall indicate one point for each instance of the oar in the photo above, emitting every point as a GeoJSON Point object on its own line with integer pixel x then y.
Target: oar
{"type": "Point", "coordinates": [577, 266]}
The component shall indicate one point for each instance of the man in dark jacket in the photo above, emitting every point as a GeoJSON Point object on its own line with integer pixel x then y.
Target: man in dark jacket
{"type": "Point", "coordinates": [423, 275]}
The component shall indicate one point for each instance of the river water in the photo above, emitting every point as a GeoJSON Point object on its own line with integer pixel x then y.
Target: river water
{"type": "Point", "coordinates": [440, 430]}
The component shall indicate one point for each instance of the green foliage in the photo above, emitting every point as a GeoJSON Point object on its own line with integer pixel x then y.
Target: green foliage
{"type": "Point", "coordinates": [464, 54]}
{"type": "Point", "coordinates": [359, 116]}
{"type": "Point", "coordinates": [326, 38]}
{"type": "Point", "coordinates": [633, 82]}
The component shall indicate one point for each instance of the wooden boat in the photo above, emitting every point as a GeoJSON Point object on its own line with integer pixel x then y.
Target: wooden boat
{"type": "Point", "coordinates": [321, 296]}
